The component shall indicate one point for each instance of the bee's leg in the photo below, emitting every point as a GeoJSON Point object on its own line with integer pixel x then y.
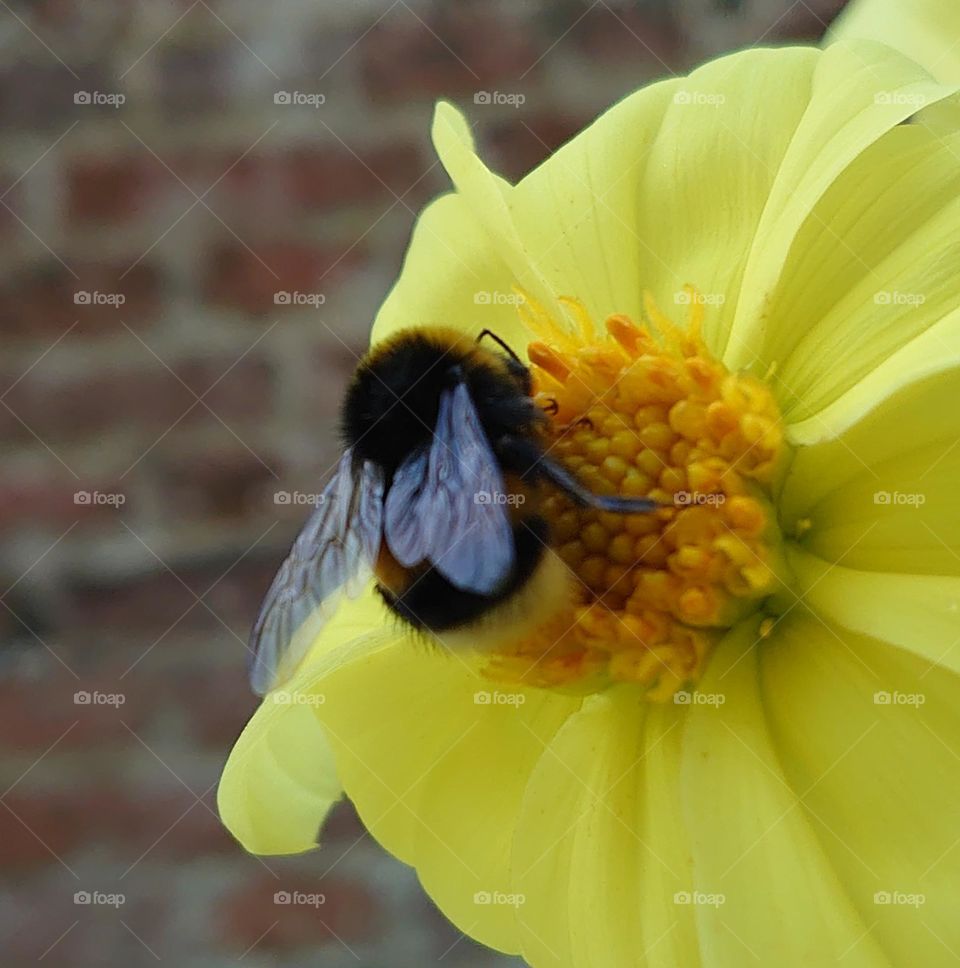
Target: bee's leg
{"type": "Point", "coordinates": [526, 458]}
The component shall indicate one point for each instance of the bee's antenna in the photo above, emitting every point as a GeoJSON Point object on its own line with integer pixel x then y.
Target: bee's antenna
{"type": "Point", "coordinates": [501, 343]}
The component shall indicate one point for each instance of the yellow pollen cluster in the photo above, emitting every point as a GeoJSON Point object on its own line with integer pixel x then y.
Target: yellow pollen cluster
{"type": "Point", "coordinates": [639, 415]}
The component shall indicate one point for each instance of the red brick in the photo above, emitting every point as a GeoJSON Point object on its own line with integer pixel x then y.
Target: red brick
{"type": "Point", "coordinates": [808, 21]}
{"type": "Point", "coordinates": [240, 279]}
{"type": "Point", "coordinates": [154, 601]}
{"type": "Point", "coordinates": [114, 188]}
{"type": "Point", "coordinates": [649, 36]}
{"type": "Point", "coordinates": [350, 911]}
{"type": "Point", "coordinates": [246, 188]}
{"type": "Point", "coordinates": [120, 820]}
{"type": "Point", "coordinates": [321, 399]}
{"type": "Point", "coordinates": [237, 595]}
{"type": "Point", "coordinates": [329, 177]}
{"type": "Point", "coordinates": [47, 301]}
{"type": "Point", "coordinates": [138, 605]}
{"type": "Point", "coordinates": [455, 51]}
{"type": "Point", "coordinates": [56, 409]}
{"type": "Point", "coordinates": [46, 501]}
{"type": "Point", "coordinates": [129, 822]}
{"type": "Point", "coordinates": [35, 829]}
{"type": "Point", "coordinates": [215, 701]}
{"type": "Point", "coordinates": [235, 388]}
{"type": "Point", "coordinates": [152, 397]}
{"type": "Point", "coordinates": [519, 146]}
{"type": "Point", "coordinates": [226, 485]}
{"type": "Point", "coordinates": [29, 727]}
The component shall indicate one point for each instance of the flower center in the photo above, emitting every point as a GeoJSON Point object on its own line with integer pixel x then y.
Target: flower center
{"type": "Point", "coordinates": [642, 415]}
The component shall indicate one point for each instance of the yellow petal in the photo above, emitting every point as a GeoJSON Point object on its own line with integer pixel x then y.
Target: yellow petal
{"type": "Point", "coordinates": [598, 850]}
{"type": "Point", "coordinates": [929, 353]}
{"type": "Point", "coordinates": [879, 781]}
{"type": "Point", "coordinates": [766, 891]}
{"type": "Point", "coordinates": [924, 30]}
{"type": "Point", "coordinates": [280, 779]}
{"type": "Point", "coordinates": [882, 495]}
{"type": "Point", "coordinates": [919, 613]}
{"type": "Point", "coordinates": [437, 773]}
{"type": "Point", "coordinates": [670, 933]}
{"type": "Point", "coordinates": [869, 275]}
{"type": "Point", "coordinates": [452, 276]}
{"type": "Point", "coordinates": [859, 92]}
{"type": "Point", "coordinates": [625, 206]}
{"type": "Point", "coordinates": [279, 782]}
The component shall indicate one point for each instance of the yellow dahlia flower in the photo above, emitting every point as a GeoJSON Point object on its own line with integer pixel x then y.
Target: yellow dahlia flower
{"type": "Point", "coordinates": [740, 741]}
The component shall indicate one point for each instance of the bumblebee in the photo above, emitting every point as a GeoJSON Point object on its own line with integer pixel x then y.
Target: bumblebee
{"type": "Point", "coordinates": [433, 497]}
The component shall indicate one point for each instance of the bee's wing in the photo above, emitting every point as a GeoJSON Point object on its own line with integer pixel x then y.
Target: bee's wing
{"type": "Point", "coordinates": [335, 550]}
{"type": "Point", "coordinates": [442, 504]}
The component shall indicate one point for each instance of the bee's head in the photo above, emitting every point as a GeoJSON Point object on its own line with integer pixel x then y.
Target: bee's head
{"type": "Point", "coordinates": [521, 374]}
{"type": "Point", "coordinates": [393, 400]}
{"type": "Point", "coordinates": [511, 362]}
{"type": "Point", "coordinates": [392, 404]}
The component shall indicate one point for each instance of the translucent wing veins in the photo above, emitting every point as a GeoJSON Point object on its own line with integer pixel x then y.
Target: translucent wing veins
{"type": "Point", "coordinates": [335, 550]}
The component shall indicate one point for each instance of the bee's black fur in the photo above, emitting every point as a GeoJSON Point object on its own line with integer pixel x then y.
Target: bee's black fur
{"type": "Point", "coordinates": [391, 406]}
{"type": "Point", "coordinates": [391, 410]}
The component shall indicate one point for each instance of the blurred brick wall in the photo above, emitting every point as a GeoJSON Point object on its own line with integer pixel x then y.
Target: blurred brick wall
{"type": "Point", "coordinates": [151, 362]}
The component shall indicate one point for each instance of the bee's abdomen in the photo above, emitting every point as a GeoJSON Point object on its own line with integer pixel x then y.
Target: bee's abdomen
{"type": "Point", "coordinates": [425, 600]}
